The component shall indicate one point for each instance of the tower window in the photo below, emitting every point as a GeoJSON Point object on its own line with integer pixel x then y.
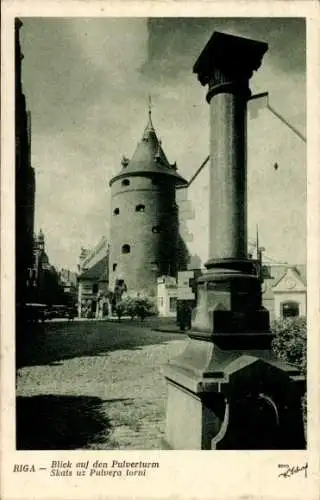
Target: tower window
{"type": "Point", "coordinates": [125, 182]}
{"type": "Point", "coordinates": [140, 208]}
{"type": "Point", "coordinates": [156, 229]}
{"type": "Point", "coordinates": [114, 266]}
{"type": "Point", "coordinates": [125, 249]}
{"type": "Point", "coordinates": [116, 211]}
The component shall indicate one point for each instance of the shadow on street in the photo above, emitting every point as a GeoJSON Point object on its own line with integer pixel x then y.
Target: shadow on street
{"type": "Point", "coordinates": [50, 343]}
{"type": "Point", "coordinates": [60, 422]}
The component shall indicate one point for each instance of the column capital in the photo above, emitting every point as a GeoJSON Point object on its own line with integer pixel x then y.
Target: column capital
{"type": "Point", "coordinates": [227, 63]}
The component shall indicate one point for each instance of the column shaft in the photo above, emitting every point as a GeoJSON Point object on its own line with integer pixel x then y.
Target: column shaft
{"type": "Point", "coordinates": [227, 185]}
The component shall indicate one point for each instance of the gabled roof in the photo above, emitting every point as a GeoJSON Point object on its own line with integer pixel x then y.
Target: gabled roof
{"type": "Point", "coordinates": [149, 158]}
{"type": "Point", "coordinates": [98, 272]}
{"type": "Point", "coordinates": [90, 257]}
{"type": "Point", "coordinates": [293, 276]}
{"type": "Point", "coordinates": [274, 273]}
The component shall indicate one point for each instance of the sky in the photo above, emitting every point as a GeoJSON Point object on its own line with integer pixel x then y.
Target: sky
{"type": "Point", "coordinates": [87, 83]}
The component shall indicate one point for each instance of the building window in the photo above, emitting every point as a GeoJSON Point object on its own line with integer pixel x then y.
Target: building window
{"type": "Point", "coordinates": [173, 304]}
{"type": "Point", "coordinates": [140, 208]}
{"type": "Point", "coordinates": [114, 266]}
{"type": "Point", "coordinates": [156, 229]}
{"type": "Point", "coordinates": [160, 301]}
{"type": "Point", "coordinates": [95, 288]}
{"type": "Point", "coordinates": [125, 182]}
{"type": "Point", "coordinates": [116, 211]}
{"type": "Point", "coordinates": [125, 249]}
{"type": "Point", "coordinates": [290, 309]}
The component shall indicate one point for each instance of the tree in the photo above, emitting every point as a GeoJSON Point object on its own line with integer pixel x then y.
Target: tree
{"type": "Point", "coordinates": [290, 342]}
{"type": "Point", "coordinates": [290, 345]}
{"type": "Point", "coordinates": [135, 306]}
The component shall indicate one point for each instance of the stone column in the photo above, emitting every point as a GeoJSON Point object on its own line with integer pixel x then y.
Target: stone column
{"type": "Point", "coordinates": [226, 65]}
{"type": "Point", "coordinates": [227, 390]}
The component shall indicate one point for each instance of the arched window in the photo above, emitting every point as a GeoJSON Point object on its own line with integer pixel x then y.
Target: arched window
{"type": "Point", "coordinates": [156, 229]}
{"type": "Point", "coordinates": [140, 208]}
{"type": "Point", "coordinates": [114, 266]}
{"type": "Point", "coordinates": [116, 211]}
{"type": "Point", "coordinates": [290, 309]}
{"type": "Point", "coordinates": [125, 182]}
{"type": "Point", "coordinates": [125, 249]}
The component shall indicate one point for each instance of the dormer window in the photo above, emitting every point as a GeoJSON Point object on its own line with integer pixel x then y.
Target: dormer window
{"type": "Point", "coordinates": [124, 161]}
{"type": "Point", "coordinates": [158, 159]}
{"type": "Point", "coordinates": [125, 182]}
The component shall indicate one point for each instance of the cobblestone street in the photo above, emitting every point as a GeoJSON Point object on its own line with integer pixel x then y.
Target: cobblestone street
{"type": "Point", "coordinates": [93, 385]}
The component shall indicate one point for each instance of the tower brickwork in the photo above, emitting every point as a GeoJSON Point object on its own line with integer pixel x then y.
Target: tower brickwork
{"type": "Point", "coordinates": [144, 217]}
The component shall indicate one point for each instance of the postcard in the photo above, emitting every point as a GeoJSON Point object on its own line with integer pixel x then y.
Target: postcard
{"type": "Point", "coordinates": [160, 241]}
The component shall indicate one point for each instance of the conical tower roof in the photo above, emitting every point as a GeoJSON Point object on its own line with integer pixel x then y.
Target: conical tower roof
{"type": "Point", "coordinates": [149, 158]}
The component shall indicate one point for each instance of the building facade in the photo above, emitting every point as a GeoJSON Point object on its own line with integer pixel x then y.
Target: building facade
{"type": "Point", "coordinates": [167, 296]}
{"type": "Point", "coordinates": [144, 236]}
{"type": "Point", "coordinates": [93, 281]}
{"type": "Point", "coordinates": [284, 290]}
{"type": "Point", "coordinates": [69, 283]}
{"type": "Point", "coordinates": [44, 282]}
{"type": "Point", "coordinates": [24, 182]}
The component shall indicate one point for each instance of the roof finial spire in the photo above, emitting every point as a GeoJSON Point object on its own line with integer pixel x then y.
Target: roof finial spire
{"type": "Point", "coordinates": [149, 105]}
{"type": "Point", "coordinates": [150, 124]}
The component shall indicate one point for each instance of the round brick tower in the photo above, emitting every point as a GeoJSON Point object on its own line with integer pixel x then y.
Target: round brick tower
{"type": "Point", "coordinates": [144, 217]}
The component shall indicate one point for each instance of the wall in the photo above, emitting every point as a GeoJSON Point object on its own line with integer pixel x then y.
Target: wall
{"type": "Point", "coordinates": [166, 290]}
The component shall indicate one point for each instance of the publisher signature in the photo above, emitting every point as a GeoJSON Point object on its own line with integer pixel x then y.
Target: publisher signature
{"type": "Point", "coordinates": [291, 470]}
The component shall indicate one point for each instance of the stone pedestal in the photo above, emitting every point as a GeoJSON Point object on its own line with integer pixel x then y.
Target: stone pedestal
{"type": "Point", "coordinates": [232, 400]}
{"type": "Point", "coordinates": [227, 390]}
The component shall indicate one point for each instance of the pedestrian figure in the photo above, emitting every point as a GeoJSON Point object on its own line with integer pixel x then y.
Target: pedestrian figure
{"type": "Point", "coordinates": [183, 315]}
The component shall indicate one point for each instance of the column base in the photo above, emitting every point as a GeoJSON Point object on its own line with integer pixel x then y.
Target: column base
{"type": "Point", "coordinates": [229, 302]}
